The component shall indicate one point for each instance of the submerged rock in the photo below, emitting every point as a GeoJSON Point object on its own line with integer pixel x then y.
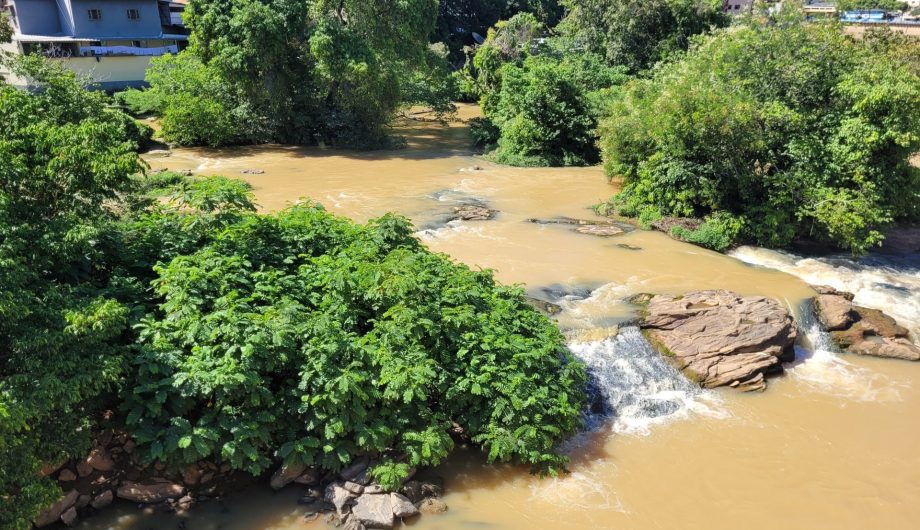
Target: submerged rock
{"type": "Point", "coordinates": [600, 228]}
{"type": "Point", "coordinates": [861, 330]}
{"type": "Point", "coordinates": [720, 338]}
{"type": "Point", "coordinates": [473, 212]}
{"type": "Point", "coordinates": [547, 308]}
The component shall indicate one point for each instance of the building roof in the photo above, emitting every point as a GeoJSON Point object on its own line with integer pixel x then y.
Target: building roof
{"type": "Point", "coordinates": [68, 38]}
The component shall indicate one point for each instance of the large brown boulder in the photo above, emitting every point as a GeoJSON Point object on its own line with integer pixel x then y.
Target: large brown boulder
{"type": "Point", "coordinates": [720, 338]}
{"type": "Point", "coordinates": [54, 512]}
{"type": "Point", "coordinates": [861, 330]}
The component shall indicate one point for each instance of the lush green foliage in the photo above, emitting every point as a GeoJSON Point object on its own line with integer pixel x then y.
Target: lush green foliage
{"type": "Point", "coordinates": [296, 71]}
{"type": "Point", "coordinates": [66, 160]}
{"type": "Point", "coordinates": [718, 232]}
{"type": "Point", "coordinates": [541, 97]}
{"type": "Point", "coordinates": [301, 336]}
{"type": "Point", "coordinates": [796, 130]}
{"type": "Point", "coordinates": [459, 19]}
{"type": "Point", "coordinates": [638, 33]}
{"type": "Point", "coordinates": [215, 332]}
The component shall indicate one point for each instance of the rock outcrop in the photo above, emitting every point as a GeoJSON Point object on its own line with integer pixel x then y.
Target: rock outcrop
{"type": "Point", "coordinates": [587, 226]}
{"type": "Point", "coordinates": [473, 212]}
{"type": "Point", "coordinates": [861, 330]}
{"type": "Point", "coordinates": [720, 338]}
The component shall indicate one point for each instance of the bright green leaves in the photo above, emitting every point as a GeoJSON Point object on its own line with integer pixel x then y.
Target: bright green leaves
{"type": "Point", "coordinates": [773, 133]}
{"type": "Point", "coordinates": [303, 337]}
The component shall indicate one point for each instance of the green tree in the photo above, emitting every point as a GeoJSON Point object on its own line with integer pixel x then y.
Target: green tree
{"type": "Point", "coordinates": [67, 159]}
{"type": "Point", "coordinates": [797, 130]}
{"type": "Point", "coordinates": [639, 33]}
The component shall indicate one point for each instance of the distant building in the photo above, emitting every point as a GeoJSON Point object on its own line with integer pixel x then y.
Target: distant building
{"type": "Point", "coordinates": [110, 41]}
{"type": "Point", "coordinates": [736, 7]}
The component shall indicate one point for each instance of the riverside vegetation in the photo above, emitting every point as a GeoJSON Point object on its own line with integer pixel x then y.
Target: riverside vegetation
{"type": "Point", "coordinates": [168, 308]}
{"type": "Point", "coordinates": [208, 331]}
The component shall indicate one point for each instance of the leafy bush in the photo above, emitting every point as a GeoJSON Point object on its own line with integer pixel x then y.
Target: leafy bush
{"type": "Point", "coordinates": [66, 161]}
{"type": "Point", "coordinates": [797, 129]}
{"type": "Point", "coordinates": [718, 232]}
{"type": "Point", "coordinates": [543, 96]}
{"type": "Point", "coordinates": [301, 336]}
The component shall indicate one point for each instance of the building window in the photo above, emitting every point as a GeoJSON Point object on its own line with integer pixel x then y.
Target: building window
{"type": "Point", "coordinates": [95, 14]}
{"type": "Point", "coordinates": [134, 14]}
{"type": "Point", "coordinates": [137, 44]}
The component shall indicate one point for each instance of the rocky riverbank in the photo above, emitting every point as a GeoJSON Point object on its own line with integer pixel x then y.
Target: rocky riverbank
{"type": "Point", "coordinates": [112, 471]}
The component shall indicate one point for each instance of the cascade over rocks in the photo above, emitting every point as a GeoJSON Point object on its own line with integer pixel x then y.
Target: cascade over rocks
{"type": "Point", "coordinates": [720, 338]}
{"type": "Point", "coordinates": [861, 330]}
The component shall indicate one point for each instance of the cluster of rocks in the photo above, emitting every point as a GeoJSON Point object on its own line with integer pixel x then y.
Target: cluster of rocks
{"type": "Point", "coordinates": [861, 330]}
{"type": "Point", "coordinates": [720, 338]}
{"type": "Point", "coordinates": [472, 212]}
{"type": "Point", "coordinates": [111, 470]}
{"type": "Point", "coordinates": [600, 228]}
{"type": "Point", "coordinates": [351, 499]}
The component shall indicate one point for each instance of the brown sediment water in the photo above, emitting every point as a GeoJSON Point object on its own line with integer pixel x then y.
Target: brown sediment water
{"type": "Point", "coordinates": [830, 445]}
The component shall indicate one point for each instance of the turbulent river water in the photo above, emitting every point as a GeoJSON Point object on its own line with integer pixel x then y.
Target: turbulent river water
{"type": "Point", "coordinates": [833, 444]}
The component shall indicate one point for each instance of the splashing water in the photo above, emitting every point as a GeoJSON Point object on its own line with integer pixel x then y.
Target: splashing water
{"type": "Point", "coordinates": [636, 388]}
{"type": "Point", "coordinates": [888, 283]}
{"type": "Point", "coordinates": [823, 369]}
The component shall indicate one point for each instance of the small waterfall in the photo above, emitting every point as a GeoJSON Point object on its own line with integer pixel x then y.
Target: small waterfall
{"type": "Point", "coordinates": [635, 388]}
{"type": "Point", "coordinates": [821, 367]}
{"type": "Point", "coordinates": [890, 283]}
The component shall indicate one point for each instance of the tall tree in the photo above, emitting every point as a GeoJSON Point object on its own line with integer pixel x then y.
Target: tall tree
{"type": "Point", "coordinates": [639, 33]}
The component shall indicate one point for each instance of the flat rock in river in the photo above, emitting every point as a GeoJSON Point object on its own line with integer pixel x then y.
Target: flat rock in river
{"type": "Point", "coordinates": [720, 338]}
{"type": "Point", "coordinates": [861, 330]}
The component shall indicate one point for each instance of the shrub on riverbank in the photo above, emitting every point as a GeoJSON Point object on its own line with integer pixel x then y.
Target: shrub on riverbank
{"type": "Point", "coordinates": [796, 130]}
{"type": "Point", "coordinates": [67, 159]}
{"type": "Point", "coordinates": [303, 337]}
{"type": "Point", "coordinates": [166, 307]}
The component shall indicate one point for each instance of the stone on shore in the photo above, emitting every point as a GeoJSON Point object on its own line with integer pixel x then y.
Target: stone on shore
{"type": "Point", "coordinates": [102, 500]}
{"type": "Point", "coordinates": [720, 338]}
{"type": "Point", "coordinates": [339, 497]}
{"type": "Point", "coordinates": [402, 506]}
{"type": "Point", "coordinates": [285, 475]}
{"type": "Point", "coordinates": [374, 511]}
{"type": "Point", "coordinates": [861, 330]}
{"type": "Point", "coordinates": [54, 512]}
{"type": "Point", "coordinates": [150, 493]}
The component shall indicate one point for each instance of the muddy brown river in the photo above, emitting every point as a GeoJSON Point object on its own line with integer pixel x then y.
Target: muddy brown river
{"type": "Point", "coordinates": [833, 444]}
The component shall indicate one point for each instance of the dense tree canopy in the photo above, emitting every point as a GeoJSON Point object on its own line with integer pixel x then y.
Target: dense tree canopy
{"type": "Point", "coordinates": [795, 130]}
{"type": "Point", "coordinates": [638, 33]}
{"type": "Point", "coordinates": [66, 161]}
{"type": "Point", "coordinates": [459, 19]}
{"type": "Point", "coordinates": [301, 71]}
{"type": "Point", "coordinates": [542, 97]}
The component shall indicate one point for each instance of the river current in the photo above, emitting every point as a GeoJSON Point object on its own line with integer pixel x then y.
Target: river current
{"type": "Point", "coordinates": [830, 445]}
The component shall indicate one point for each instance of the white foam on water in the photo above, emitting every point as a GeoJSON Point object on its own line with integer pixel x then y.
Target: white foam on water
{"type": "Point", "coordinates": [639, 388]}
{"type": "Point", "coordinates": [454, 229]}
{"type": "Point", "coordinates": [887, 283]}
{"type": "Point", "coordinates": [825, 371]}
{"type": "Point", "coordinates": [585, 489]}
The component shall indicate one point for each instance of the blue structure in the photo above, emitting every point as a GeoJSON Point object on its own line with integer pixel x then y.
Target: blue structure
{"type": "Point", "coordinates": [110, 41]}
